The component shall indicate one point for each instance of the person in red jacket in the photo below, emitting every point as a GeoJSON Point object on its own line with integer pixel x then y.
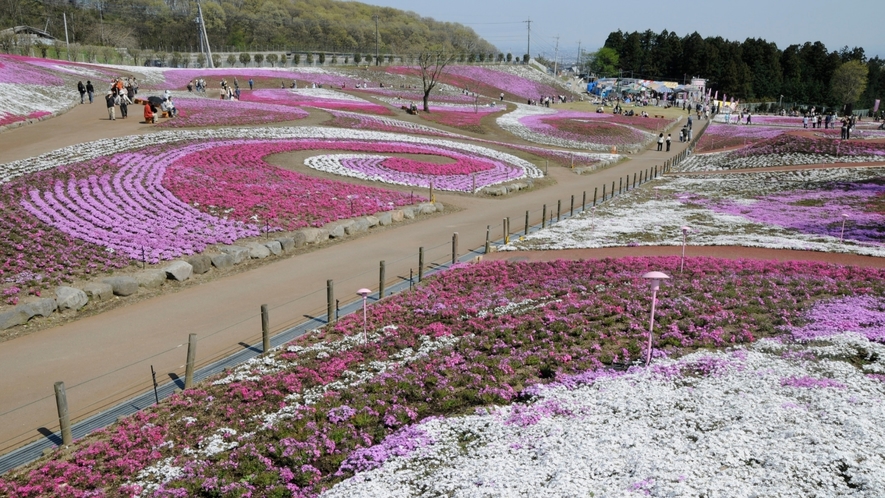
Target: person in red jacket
{"type": "Point", "coordinates": [148, 114]}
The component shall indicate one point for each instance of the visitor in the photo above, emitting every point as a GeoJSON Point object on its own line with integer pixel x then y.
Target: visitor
{"type": "Point", "coordinates": [668, 142]}
{"type": "Point", "coordinates": [660, 142]}
{"type": "Point", "coordinates": [123, 101]}
{"type": "Point", "coordinates": [82, 89]}
{"type": "Point", "coordinates": [148, 113]}
{"type": "Point", "coordinates": [748, 117]}
{"type": "Point", "coordinates": [110, 100]}
{"type": "Point", "coordinates": [90, 90]}
{"type": "Point", "coordinates": [251, 83]}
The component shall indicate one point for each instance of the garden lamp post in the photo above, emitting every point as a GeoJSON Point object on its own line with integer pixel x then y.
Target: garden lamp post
{"type": "Point", "coordinates": [364, 293]}
{"type": "Point", "coordinates": [685, 231]}
{"type": "Point", "coordinates": [654, 279]}
{"type": "Point", "coordinates": [842, 234]}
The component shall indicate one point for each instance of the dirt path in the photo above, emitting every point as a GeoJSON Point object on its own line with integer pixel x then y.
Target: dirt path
{"type": "Point", "coordinates": [106, 358]}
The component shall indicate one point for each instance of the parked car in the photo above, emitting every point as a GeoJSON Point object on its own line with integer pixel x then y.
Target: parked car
{"type": "Point", "coordinates": [154, 63]}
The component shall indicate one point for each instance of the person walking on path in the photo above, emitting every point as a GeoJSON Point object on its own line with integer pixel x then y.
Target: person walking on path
{"type": "Point", "coordinates": [668, 142]}
{"type": "Point", "coordinates": [82, 89]}
{"type": "Point", "coordinates": [90, 90]}
{"type": "Point", "coordinates": [660, 142]}
{"type": "Point", "coordinates": [124, 105]}
{"type": "Point", "coordinates": [251, 83]}
{"type": "Point", "coordinates": [109, 99]}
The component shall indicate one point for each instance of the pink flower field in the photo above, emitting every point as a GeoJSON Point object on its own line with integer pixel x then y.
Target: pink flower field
{"type": "Point", "coordinates": [723, 136]}
{"type": "Point", "coordinates": [319, 98]}
{"type": "Point", "coordinates": [201, 112]}
{"type": "Point", "coordinates": [331, 404]}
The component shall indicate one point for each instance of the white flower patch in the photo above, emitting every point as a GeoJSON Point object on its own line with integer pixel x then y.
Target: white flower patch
{"type": "Point", "coordinates": [149, 478]}
{"type": "Point", "coordinates": [721, 161]}
{"type": "Point", "coordinates": [327, 94]}
{"type": "Point", "coordinates": [24, 100]}
{"type": "Point", "coordinates": [218, 442]}
{"type": "Point", "coordinates": [655, 216]}
{"type": "Point", "coordinates": [101, 148]}
{"type": "Point", "coordinates": [741, 432]}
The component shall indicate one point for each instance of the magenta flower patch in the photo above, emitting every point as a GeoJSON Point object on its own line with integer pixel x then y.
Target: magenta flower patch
{"type": "Point", "coordinates": [215, 112]}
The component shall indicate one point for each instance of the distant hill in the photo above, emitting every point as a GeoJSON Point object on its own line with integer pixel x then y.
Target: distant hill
{"type": "Point", "coordinates": [238, 25]}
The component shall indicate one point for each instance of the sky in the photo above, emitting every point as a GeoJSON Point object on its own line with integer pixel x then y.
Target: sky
{"type": "Point", "coordinates": [566, 23]}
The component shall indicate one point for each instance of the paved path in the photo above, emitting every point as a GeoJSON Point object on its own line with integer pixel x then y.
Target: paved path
{"type": "Point", "coordinates": [106, 358]}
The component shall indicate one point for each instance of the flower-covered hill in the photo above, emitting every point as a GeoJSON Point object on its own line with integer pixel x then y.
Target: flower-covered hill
{"type": "Point", "coordinates": [828, 210]}
{"type": "Point", "coordinates": [497, 364]}
{"type": "Point", "coordinates": [31, 91]}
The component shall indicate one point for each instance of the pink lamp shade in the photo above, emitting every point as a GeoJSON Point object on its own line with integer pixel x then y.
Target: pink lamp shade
{"type": "Point", "coordinates": [363, 292]}
{"type": "Point", "coordinates": [654, 278]}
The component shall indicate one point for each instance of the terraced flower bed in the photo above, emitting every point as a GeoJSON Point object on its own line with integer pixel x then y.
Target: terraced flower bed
{"type": "Point", "coordinates": [787, 149]}
{"type": "Point", "coordinates": [31, 92]}
{"type": "Point", "coordinates": [800, 210]}
{"type": "Point", "coordinates": [163, 195]}
{"type": "Point", "coordinates": [200, 112]}
{"type": "Point", "coordinates": [316, 97]}
{"type": "Point", "coordinates": [505, 345]}
{"type": "Point", "coordinates": [723, 136]}
{"type": "Point", "coordinates": [571, 129]}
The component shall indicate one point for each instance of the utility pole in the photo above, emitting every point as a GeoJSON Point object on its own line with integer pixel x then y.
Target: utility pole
{"type": "Point", "coordinates": [67, 43]}
{"type": "Point", "coordinates": [375, 18]}
{"type": "Point", "coordinates": [555, 57]}
{"type": "Point", "coordinates": [205, 38]}
{"type": "Point", "coordinates": [528, 49]}
{"type": "Point", "coordinates": [578, 62]}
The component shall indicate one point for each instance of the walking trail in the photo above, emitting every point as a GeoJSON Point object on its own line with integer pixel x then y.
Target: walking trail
{"type": "Point", "coordinates": [106, 358]}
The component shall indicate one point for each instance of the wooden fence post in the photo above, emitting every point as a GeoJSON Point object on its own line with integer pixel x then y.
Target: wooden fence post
{"type": "Point", "coordinates": [191, 358]}
{"type": "Point", "coordinates": [420, 264]}
{"type": "Point", "coordinates": [64, 420]}
{"type": "Point", "coordinates": [265, 329]}
{"type": "Point", "coordinates": [381, 279]}
{"type": "Point", "coordinates": [330, 302]}
{"type": "Point", "coordinates": [454, 247]}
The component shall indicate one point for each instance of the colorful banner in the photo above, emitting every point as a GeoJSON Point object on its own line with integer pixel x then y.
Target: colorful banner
{"type": "Point", "coordinates": [716, 95]}
{"type": "Point", "coordinates": [876, 106]}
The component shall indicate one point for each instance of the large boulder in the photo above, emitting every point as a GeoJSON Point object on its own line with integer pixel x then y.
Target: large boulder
{"type": "Point", "coordinates": [287, 243]}
{"type": "Point", "coordinates": [385, 219]}
{"type": "Point", "coordinates": [274, 247]}
{"type": "Point", "coordinates": [43, 307]}
{"type": "Point", "coordinates": [409, 213]}
{"type": "Point", "coordinates": [496, 191]}
{"type": "Point", "coordinates": [439, 207]}
{"type": "Point", "coordinates": [179, 270]}
{"type": "Point", "coordinates": [426, 208]}
{"type": "Point", "coordinates": [372, 221]}
{"type": "Point", "coordinates": [150, 279]}
{"type": "Point", "coordinates": [239, 253]}
{"type": "Point", "coordinates": [200, 263]}
{"type": "Point", "coordinates": [12, 318]}
{"type": "Point", "coordinates": [69, 298]}
{"type": "Point", "coordinates": [314, 235]}
{"type": "Point", "coordinates": [258, 251]}
{"type": "Point", "coordinates": [336, 231]}
{"type": "Point", "coordinates": [222, 260]}
{"type": "Point", "coordinates": [122, 286]}
{"type": "Point", "coordinates": [300, 238]}
{"type": "Point", "coordinates": [397, 215]}
{"type": "Point", "coordinates": [99, 291]}
{"type": "Point", "coordinates": [358, 225]}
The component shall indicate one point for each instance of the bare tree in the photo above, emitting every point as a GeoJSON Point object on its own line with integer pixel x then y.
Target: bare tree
{"type": "Point", "coordinates": [432, 62]}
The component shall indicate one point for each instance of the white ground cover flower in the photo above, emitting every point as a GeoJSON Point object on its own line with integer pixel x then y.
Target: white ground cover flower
{"type": "Point", "coordinates": [30, 100]}
{"type": "Point", "coordinates": [747, 429]}
{"type": "Point", "coordinates": [719, 161]}
{"type": "Point", "coordinates": [327, 94]}
{"type": "Point", "coordinates": [655, 215]}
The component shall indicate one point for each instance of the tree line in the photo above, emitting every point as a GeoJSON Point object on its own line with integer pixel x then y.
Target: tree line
{"type": "Point", "coordinates": [754, 70]}
{"type": "Point", "coordinates": [324, 25]}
